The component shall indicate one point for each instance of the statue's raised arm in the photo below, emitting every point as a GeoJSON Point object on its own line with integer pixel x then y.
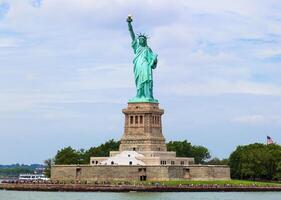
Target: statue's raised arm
{"type": "Point", "coordinates": [129, 20]}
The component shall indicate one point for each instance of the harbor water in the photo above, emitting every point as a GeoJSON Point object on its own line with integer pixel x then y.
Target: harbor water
{"type": "Point", "coordinates": [18, 195]}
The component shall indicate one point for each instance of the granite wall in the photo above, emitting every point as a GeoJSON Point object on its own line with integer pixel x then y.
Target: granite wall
{"type": "Point", "coordinates": [130, 173]}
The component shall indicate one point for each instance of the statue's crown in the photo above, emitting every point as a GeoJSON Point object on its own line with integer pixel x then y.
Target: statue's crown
{"type": "Point", "coordinates": [142, 35]}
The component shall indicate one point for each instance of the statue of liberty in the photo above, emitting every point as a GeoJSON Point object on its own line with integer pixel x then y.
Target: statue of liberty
{"type": "Point", "coordinates": [144, 61]}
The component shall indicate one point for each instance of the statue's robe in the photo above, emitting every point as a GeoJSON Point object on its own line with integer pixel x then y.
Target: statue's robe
{"type": "Point", "coordinates": [144, 61]}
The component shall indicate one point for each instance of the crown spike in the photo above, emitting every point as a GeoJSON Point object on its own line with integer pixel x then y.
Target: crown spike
{"type": "Point", "coordinates": [142, 35]}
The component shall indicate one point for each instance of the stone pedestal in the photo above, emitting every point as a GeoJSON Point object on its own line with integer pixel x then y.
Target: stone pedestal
{"type": "Point", "coordinates": [142, 155]}
{"type": "Point", "coordinates": [143, 128]}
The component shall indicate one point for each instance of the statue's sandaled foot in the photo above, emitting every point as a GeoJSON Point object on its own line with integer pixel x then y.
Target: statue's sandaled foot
{"type": "Point", "coordinates": [143, 99]}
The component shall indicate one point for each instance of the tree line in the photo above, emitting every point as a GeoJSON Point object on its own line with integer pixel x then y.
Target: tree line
{"type": "Point", "coordinates": [14, 170]}
{"type": "Point", "coordinates": [254, 161]}
{"type": "Point", "coordinates": [68, 155]}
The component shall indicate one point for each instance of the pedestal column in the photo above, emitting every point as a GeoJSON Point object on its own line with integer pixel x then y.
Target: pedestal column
{"type": "Point", "coordinates": [143, 128]}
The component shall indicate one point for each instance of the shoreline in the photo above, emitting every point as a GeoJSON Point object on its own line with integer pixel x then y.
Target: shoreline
{"type": "Point", "coordinates": [134, 188]}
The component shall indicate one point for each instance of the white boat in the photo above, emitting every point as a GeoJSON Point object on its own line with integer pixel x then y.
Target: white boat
{"type": "Point", "coordinates": [33, 177]}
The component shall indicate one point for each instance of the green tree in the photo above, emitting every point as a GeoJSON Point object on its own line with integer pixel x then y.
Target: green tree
{"type": "Point", "coordinates": [217, 161]}
{"type": "Point", "coordinates": [277, 175]}
{"type": "Point", "coordinates": [101, 151]}
{"type": "Point", "coordinates": [200, 154]}
{"type": "Point", "coordinates": [15, 171]}
{"type": "Point", "coordinates": [185, 149]}
{"type": "Point", "coordinates": [68, 156]}
{"type": "Point", "coordinates": [182, 148]}
{"type": "Point", "coordinates": [256, 161]}
{"type": "Point", "coordinates": [48, 165]}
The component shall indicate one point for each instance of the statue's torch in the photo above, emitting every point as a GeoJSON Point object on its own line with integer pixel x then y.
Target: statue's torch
{"type": "Point", "coordinates": [129, 18]}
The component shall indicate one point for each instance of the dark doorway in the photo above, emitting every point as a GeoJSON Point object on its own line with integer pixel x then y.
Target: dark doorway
{"type": "Point", "coordinates": [186, 173]}
{"type": "Point", "coordinates": [78, 172]}
{"type": "Point", "coordinates": [142, 178]}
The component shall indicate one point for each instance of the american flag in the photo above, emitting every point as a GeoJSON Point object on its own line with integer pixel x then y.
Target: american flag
{"type": "Point", "coordinates": [269, 140]}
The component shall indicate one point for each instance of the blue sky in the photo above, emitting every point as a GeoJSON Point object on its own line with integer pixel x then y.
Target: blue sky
{"type": "Point", "coordinates": [66, 72]}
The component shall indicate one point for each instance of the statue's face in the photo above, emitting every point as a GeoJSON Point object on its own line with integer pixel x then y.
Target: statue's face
{"type": "Point", "coordinates": [142, 41]}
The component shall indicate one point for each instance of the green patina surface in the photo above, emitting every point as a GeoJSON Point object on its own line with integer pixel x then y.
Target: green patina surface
{"type": "Point", "coordinates": [145, 60]}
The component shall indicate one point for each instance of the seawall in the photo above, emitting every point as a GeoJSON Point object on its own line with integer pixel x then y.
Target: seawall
{"type": "Point", "coordinates": [137, 188]}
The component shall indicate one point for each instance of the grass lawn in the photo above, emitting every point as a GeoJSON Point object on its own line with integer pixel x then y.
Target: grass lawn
{"type": "Point", "coordinates": [218, 182]}
{"type": "Point", "coordinates": [189, 182]}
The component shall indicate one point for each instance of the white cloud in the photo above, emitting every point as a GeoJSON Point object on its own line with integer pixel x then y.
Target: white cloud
{"type": "Point", "coordinates": [250, 119]}
{"type": "Point", "coordinates": [8, 42]}
{"type": "Point", "coordinates": [268, 53]}
{"type": "Point", "coordinates": [103, 77]}
{"type": "Point", "coordinates": [61, 115]}
{"type": "Point", "coordinates": [222, 87]}
{"type": "Point", "coordinates": [31, 77]}
{"type": "Point", "coordinates": [258, 119]}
